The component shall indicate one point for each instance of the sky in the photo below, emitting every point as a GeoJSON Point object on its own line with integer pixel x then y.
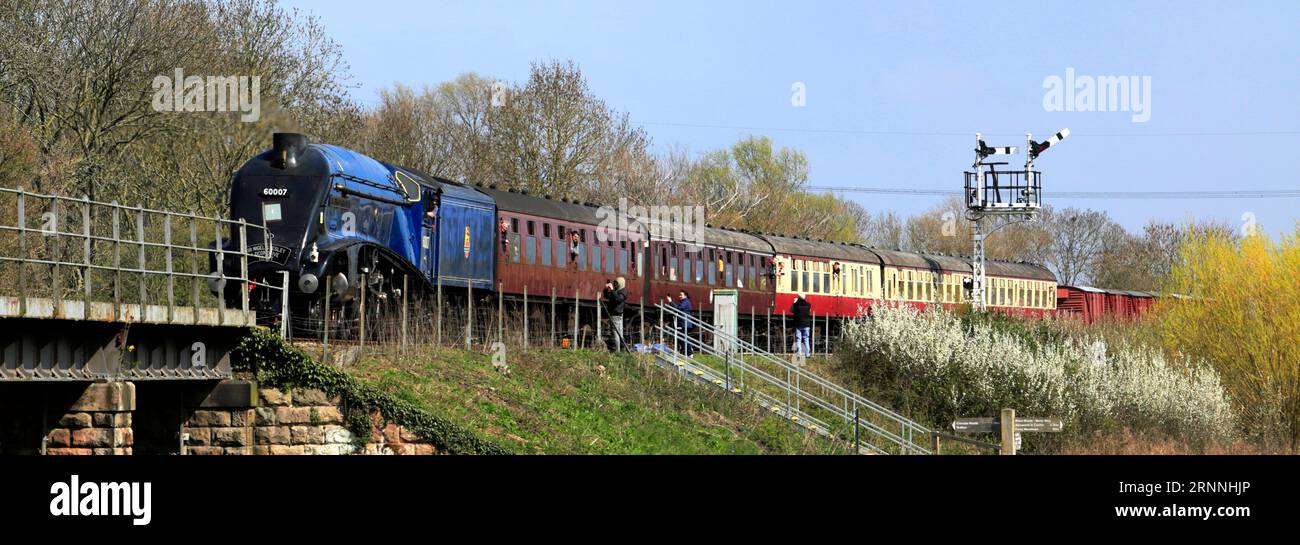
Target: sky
{"type": "Point", "coordinates": [893, 92]}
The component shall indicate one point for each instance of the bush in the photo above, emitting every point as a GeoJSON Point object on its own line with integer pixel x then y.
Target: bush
{"type": "Point", "coordinates": [939, 367]}
{"type": "Point", "coordinates": [1241, 314]}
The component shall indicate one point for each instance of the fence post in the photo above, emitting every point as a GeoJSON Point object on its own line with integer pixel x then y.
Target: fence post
{"type": "Point", "coordinates": [812, 335]}
{"type": "Point", "coordinates": [22, 248]}
{"type": "Point", "coordinates": [284, 305]}
{"type": "Point", "coordinates": [752, 339]}
{"type": "Point", "coordinates": [439, 318]}
{"type": "Point", "coordinates": [784, 342]}
{"type": "Point", "coordinates": [86, 271]}
{"type": "Point", "coordinates": [934, 441]}
{"type": "Point", "coordinates": [599, 338]}
{"type": "Point", "coordinates": [361, 316]}
{"type": "Point", "coordinates": [139, 224]}
{"type": "Point", "coordinates": [57, 294]}
{"type": "Point", "coordinates": [641, 325]}
{"type": "Point", "coordinates": [1008, 422]}
{"type": "Point", "coordinates": [404, 298]}
{"type": "Point", "coordinates": [661, 325]}
{"type": "Point", "coordinates": [551, 341]}
{"type": "Point", "coordinates": [501, 313]}
{"type": "Point", "coordinates": [767, 326]}
{"type": "Point", "coordinates": [727, 362]}
{"type": "Point", "coordinates": [325, 323]}
{"type": "Point", "coordinates": [194, 265]}
{"type": "Point", "coordinates": [469, 306]}
{"type": "Point", "coordinates": [576, 311]}
{"type": "Point", "coordinates": [525, 316]}
{"type": "Point", "coordinates": [857, 447]}
{"type": "Point", "coordinates": [243, 266]}
{"type": "Point", "coordinates": [221, 274]}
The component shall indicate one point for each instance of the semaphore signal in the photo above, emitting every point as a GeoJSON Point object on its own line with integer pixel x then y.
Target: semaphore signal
{"type": "Point", "coordinates": [1016, 195]}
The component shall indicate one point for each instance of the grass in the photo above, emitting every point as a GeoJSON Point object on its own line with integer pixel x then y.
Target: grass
{"type": "Point", "coordinates": [582, 402]}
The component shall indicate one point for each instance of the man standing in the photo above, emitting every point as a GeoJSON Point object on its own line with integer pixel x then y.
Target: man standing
{"type": "Point", "coordinates": [684, 324]}
{"type": "Point", "coordinates": [616, 302]}
{"type": "Point", "coordinates": [802, 313]}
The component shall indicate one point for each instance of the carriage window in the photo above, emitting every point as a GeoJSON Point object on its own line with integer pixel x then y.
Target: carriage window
{"type": "Point", "coordinates": [622, 262]}
{"type": "Point", "coordinates": [686, 267]}
{"type": "Point", "coordinates": [546, 230]}
{"type": "Point", "coordinates": [559, 232]}
{"type": "Point", "coordinates": [546, 251]}
{"type": "Point", "coordinates": [530, 249]}
{"type": "Point", "coordinates": [560, 254]}
{"type": "Point", "coordinates": [609, 259]}
{"type": "Point", "coordinates": [532, 229]}
{"type": "Point", "coordinates": [713, 270]}
{"type": "Point", "coordinates": [699, 267]}
{"type": "Point", "coordinates": [595, 258]}
{"type": "Point", "coordinates": [514, 224]}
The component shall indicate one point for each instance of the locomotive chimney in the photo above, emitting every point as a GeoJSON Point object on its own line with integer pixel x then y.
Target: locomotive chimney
{"type": "Point", "coordinates": [287, 147]}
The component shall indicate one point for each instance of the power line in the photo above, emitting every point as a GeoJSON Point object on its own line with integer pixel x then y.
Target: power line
{"type": "Point", "coordinates": [952, 133]}
{"type": "Point", "coordinates": [1239, 194]}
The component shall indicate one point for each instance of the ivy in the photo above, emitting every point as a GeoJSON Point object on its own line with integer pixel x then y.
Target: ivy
{"type": "Point", "coordinates": [278, 364]}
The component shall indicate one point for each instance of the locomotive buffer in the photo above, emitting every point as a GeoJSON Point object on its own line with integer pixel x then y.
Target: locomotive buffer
{"type": "Point", "coordinates": [1013, 196]}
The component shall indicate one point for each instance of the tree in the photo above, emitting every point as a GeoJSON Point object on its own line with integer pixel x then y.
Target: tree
{"type": "Point", "coordinates": [1241, 313]}
{"type": "Point", "coordinates": [1077, 241]}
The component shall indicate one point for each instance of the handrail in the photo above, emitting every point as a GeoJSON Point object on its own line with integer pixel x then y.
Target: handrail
{"type": "Point", "coordinates": [803, 373]}
{"type": "Point", "coordinates": [798, 385]}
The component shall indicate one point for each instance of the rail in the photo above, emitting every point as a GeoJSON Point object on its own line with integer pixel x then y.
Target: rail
{"type": "Point", "coordinates": [789, 389]}
{"type": "Point", "coordinates": [79, 259]}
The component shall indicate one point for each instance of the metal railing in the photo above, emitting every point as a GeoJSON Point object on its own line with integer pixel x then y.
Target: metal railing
{"type": "Point", "coordinates": [789, 389]}
{"type": "Point", "coordinates": [74, 258]}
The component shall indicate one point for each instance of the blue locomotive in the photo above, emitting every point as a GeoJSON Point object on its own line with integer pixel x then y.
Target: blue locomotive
{"type": "Point", "coordinates": [334, 215]}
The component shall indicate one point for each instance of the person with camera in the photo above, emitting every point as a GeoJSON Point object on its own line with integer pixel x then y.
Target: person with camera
{"type": "Point", "coordinates": [615, 296]}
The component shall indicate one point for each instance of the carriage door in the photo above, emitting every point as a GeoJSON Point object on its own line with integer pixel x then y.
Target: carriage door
{"type": "Point", "coordinates": [427, 222]}
{"type": "Point", "coordinates": [724, 318]}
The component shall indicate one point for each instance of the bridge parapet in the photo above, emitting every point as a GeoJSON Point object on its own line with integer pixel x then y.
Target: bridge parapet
{"type": "Point", "coordinates": [94, 291]}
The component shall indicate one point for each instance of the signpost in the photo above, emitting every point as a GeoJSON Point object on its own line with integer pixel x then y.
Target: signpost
{"type": "Point", "coordinates": [1010, 434]}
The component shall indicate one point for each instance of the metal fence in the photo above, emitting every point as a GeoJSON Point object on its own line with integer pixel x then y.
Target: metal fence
{"type": "Point", "coordinates": [788, 388]}
{"type": "Point", "coordinates": [70, 258]}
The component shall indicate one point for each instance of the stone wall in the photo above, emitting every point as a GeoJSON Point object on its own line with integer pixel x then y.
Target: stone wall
{"type": "Point", "coordinates": [98, 422]}
{"type": "Point", "coordinates": [297, 422]}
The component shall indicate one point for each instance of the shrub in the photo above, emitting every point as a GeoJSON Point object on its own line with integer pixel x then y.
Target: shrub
{"type": "Point", "coordinates": [1241, 313]}
{"type": "Point", "coordinates": [939, 367]}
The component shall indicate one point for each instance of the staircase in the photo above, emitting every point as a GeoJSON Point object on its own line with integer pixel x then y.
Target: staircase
{"type": "Point", "coordinates": [787, 390]}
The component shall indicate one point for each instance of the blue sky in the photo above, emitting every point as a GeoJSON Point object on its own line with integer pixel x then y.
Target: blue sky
{"type": "Point", "coordinates": [912, 67]}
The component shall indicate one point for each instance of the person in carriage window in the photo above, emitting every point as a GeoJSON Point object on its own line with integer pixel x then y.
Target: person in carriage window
{"type": "Point", "coordinates": [504, 228]}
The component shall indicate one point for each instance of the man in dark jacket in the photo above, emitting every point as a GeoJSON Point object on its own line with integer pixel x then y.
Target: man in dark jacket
{"type": "Point", "coordinates": [684, 324]}
{"type": "Point", "coordinates": [801, 311]}
{"type": "Point", "coordinates": [616, 302]}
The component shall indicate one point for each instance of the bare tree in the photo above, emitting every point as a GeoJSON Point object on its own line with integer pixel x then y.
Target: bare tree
{"type": "Point", "coordinates": [1077, 240]}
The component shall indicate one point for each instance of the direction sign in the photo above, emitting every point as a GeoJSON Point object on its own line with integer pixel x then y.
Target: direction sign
{"type": "Point", "coordinates": [993, 425]}
{"type": "Point", "coordinates": [975, 425]}
{"type": "Point", "coordinates": [1038, 425]}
